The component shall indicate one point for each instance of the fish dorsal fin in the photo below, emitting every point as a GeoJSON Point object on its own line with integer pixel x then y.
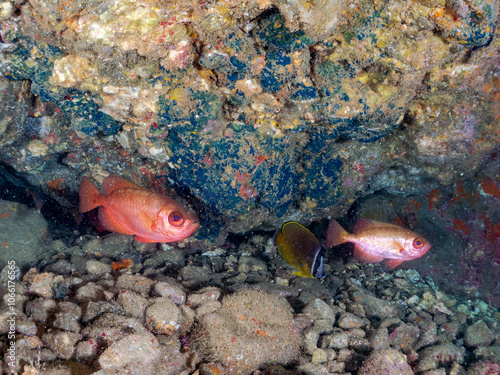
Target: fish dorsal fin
{"type": "Point", "coordinates": [364, 257]}
{"type": "Point", "coordinates": [364, 224]}
{"type": "Point", "coordinates": [112, 183]}
{"type": "Point", "coordinates": [108, 222]}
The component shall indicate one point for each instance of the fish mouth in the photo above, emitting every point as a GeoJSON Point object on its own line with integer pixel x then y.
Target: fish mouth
{"type": "Point", "coordinates": [193, 227]}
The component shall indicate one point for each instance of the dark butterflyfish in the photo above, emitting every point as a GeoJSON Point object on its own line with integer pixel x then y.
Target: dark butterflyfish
{"type": "Point", "coordinates": [300, 248]}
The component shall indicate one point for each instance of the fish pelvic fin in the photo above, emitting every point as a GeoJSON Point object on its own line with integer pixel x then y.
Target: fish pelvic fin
{"type": "Point", "coordinates": [392, 263]}
{"type": "Point", "coordinates": [146, 239]}
{"type": "Point", "coordinates": [364, 257]}
{"type": "Point", "coordinates": [90, 197]}
{"type": "Point", "coordinates": [335, 234]}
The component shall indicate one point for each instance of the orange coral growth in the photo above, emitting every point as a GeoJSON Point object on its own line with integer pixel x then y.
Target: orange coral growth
{"type": "Point", "coordinates": [459, 192]}
{"type": "Point", "coordinates": [55, 186]}
{"type": "Point", "coordinates": [433, 198]}
{"type": "Point", "coordinates": [489, 187]}
{"type": "Point", "coordinates": [121, 264]}
{"type": "Point", "coordinates": [460, 226]}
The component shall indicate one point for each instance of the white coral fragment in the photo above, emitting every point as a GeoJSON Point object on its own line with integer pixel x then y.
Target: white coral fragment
{"type": "Point", "coordinates": [317, 17]}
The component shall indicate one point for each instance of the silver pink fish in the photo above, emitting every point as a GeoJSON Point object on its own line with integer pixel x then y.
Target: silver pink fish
{"type": "Point", "coordinates": [375, 241]}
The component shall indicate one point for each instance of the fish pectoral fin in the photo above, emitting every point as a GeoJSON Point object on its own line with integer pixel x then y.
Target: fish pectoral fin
{"type": "Point", "coordinates": [391, 263]}
{"type": "Point", "coordinates": [109, 223]}
{"type": "Point", "coordinates": [146, 221]}
{"type": "Point", "coordinates": [144, 239]}
{"type": "Point", "coordinates": [298, 263]}
{"type": "Point", "coordinates": [155, 228]}
{"type": "Point", "coordinates": [365, 257]}
{"type": "Point", "coordinates": [397, 246]}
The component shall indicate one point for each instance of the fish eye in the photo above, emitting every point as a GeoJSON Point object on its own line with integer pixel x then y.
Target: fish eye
{"type": "Point", "coordinates": [418, 243]}
{"type": "Point", "coordinates": [176, 219]}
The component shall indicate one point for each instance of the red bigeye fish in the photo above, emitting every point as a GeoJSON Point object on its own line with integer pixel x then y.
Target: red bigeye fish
{"type": "Point", "coordinates": [129, 209]}
{"type": "Point", "coordinates": [374, 241]}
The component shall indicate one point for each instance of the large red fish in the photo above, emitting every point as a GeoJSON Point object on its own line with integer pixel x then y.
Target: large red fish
{"type": "Point", "coordinates": [129, 209]}
{"type": "Point", "coordinates": [374, 241]}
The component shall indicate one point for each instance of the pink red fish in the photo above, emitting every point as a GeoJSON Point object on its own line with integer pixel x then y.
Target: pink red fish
{"type": "Point", "coordinates": [375, 241]}
{"type": "Point", "coordinates": [129, 209]}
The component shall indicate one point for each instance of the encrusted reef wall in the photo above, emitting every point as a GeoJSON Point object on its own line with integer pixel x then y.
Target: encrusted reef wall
{"type": "Point", "coordinates": [257, 111]}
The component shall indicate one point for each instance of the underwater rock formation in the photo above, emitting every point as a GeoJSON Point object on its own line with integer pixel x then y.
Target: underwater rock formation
{"type": "Point", "coordinates": [250, 329]}
{"type": "Point", "coordinates": [237, 321]}
{"type": "Point", "coordinates": [257, 111]}
{"type": "Point", "coordinates": [24, 234]}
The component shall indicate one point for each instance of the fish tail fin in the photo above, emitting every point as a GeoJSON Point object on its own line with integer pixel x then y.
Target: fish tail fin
{"type": "Point", "coordinates": [90, 197]}
{"type": "Point", "coordinates": [335, 234]}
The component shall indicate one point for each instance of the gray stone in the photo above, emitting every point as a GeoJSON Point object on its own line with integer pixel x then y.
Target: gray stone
{"type": "Point", "coordinates": [386, 362]}
{"type": "Point", "coordinates": [133, 303]}
{"type": "Point", "coordinates": [336, 340]}
{"type": "Point", "coordinates": [168, 257]}
{"type": "Point", "coordinates": [111, 245]}
{"type": "Point", "coordinates": [248, 264]}
{"type": "Point", "coordinates": [68, 316]}
{"type": "Point", "coordinates": [62, 343]}
{"type": "Point", "coordinates": [428, 333]}
{"type": "Point", "coordinates": [194, 275]}
{"type": "Point", "coordinates": [90, 292]}
{"type": "Point", "coordinates": [62, 267]}
{"type": "Point", "coordinates": [96, 309]}
{"type": "Point", "coordinates": [488, 353]}
{"type": "Point", "coordinates": [207, 308]}
{"type": "Point", "coordinates": [319, 309]}
{"type": "Point", "coordinates": [478, 334]}
{"type": "Point", "coordinates": [111, 327]}
{"type": "Point", "coordinates": [348, 321]}
{"type": "Point", "coordinates": [404, 336]}
{"type": "Point", "coordinates": [141, 350]}
{"type": "Point", "coordinates": [170, 290]}
{"type": "Point", "coordinates": [22, 323]}
{"type": "Point", "coordinates": [310, 339]}
{"type": "Point", "coordinates": [24, 234]}
{"type": "Point", "coordinates": [374, 306]}
{"type": "Point", "coordinates": [163, 316]}
{"type": "Point", "coordinates": [203, 295]}
{"type": "Point", "coordinates": [41, 284]}
{"type": "Point", "coordinates": [432, 356]}
{"type": "Point", "coordinates": [136, 283]}
{"type": "Point", "coordinates": [97, 268]}
{"type": "Point", "coordinates": [39, 309]}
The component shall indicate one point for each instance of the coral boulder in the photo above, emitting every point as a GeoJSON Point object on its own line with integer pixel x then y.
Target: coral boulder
{"type": "Point", "coordinates": [252, 328]}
